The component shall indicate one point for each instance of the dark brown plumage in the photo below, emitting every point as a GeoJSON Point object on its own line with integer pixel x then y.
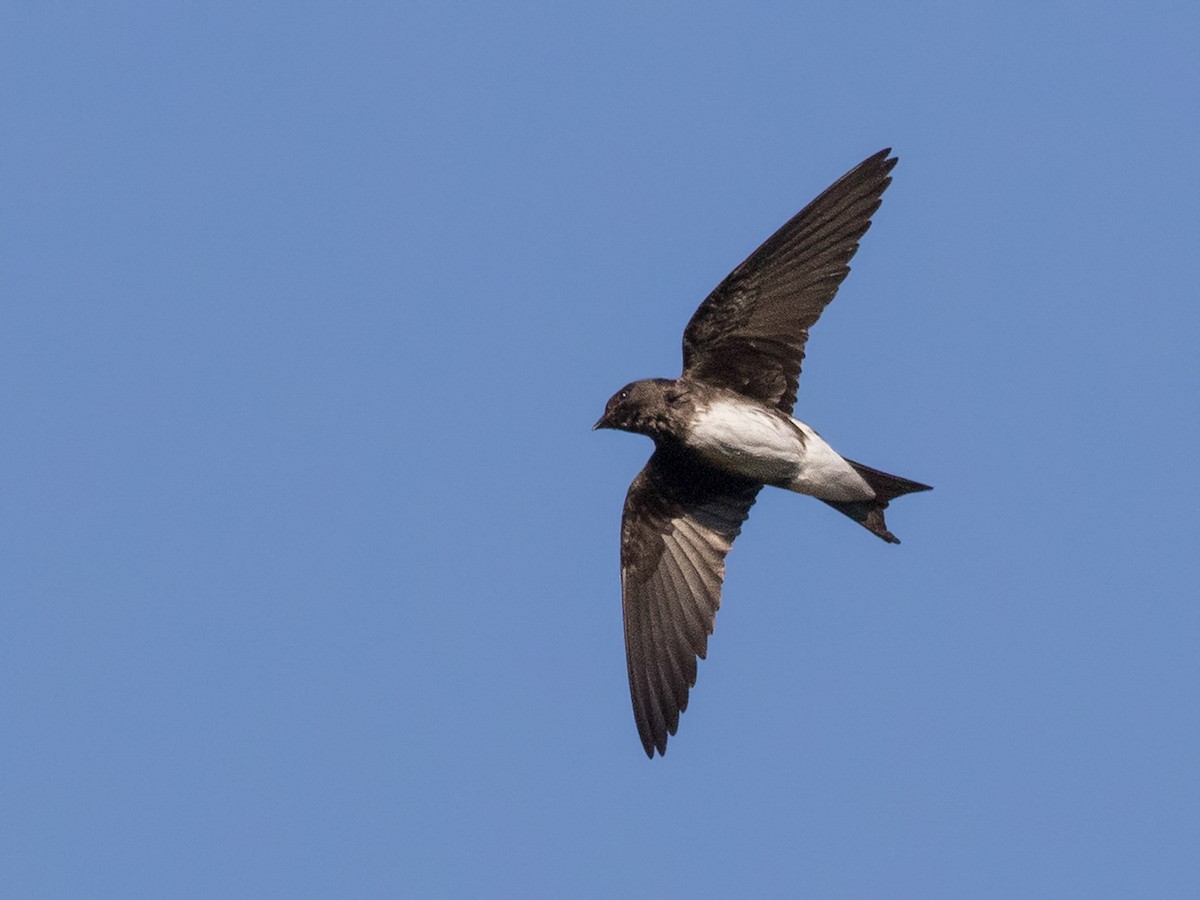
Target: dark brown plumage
{"type": "Point", "coordinates": [749, 333]}
{"type": "Point", "coordinates": [679, 521]}
{"type": "Point", "coordinates": [743, 348]}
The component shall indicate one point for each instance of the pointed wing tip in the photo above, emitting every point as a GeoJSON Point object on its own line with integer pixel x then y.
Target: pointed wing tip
{"type": "Point", "coordinates": [653, 738]}
{"type": "Point", "coordinates": [661, 748]}
{"type": "Point", "coordinates": [884, 160]}
{"type": "Point", "coordinates": [650, 744]}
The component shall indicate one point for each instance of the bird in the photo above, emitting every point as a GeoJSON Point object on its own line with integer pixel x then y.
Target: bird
{"type": "Point", "coordinates": [722, 431]}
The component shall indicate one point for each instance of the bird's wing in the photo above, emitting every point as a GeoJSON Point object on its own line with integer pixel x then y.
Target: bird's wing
{"type": "Point", "coordinates": [679, 521]}
{"type": "Point", "coordinates": [749, 334]}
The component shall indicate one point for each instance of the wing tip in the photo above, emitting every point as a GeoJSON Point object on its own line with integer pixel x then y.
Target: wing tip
{"type": "Point", "coordinates": [883, 161]}
{"type": "Point", "coordinates": [652, 742]}
{"type": "Point", "coordinates": [652, 747]}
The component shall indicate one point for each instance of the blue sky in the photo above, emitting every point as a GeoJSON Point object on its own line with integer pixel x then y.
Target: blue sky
{"type": "Point", "coordinates": [309, 580]}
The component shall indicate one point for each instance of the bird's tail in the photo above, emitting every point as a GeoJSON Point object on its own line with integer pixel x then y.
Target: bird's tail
{"type": "Point", "coordinates": [869, 513]}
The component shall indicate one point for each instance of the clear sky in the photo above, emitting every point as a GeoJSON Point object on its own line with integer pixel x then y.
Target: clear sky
{"type": "Point", "coordinates": [308, 556]}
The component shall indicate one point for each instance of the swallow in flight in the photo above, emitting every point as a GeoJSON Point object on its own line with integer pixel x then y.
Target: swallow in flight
{"type": "Point", "coordinates": [722, 431]}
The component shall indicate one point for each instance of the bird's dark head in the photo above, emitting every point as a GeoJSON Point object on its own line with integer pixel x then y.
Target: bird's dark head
{"type": "Point", "coordinates": [640, 407]}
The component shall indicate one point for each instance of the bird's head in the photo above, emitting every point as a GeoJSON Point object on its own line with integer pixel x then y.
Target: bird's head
{"type": "Point", "coordinates": [639, 407]}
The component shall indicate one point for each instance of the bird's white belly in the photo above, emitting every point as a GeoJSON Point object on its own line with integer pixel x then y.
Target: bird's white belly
{"type": "Point", "coordinates": [747, 440]}
{"type": "Point", "coordinates": [763, 445]}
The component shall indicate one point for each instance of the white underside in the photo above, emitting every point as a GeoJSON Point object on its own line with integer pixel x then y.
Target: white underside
{"type": "Point", "coordinates": [772, 448]}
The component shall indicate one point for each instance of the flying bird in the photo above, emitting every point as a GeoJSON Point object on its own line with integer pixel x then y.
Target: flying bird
{"type": "Point", "coordinates": [722, 431]}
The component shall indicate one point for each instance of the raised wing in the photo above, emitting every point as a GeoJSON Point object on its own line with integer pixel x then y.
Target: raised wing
{"type": "Point", "coordinates": [679, 522]}
{"type": "Point", "coordinates": [749, 334]}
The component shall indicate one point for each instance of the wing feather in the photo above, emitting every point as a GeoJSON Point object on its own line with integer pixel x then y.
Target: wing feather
{"type": "Point", "coordinates": [680, 519]}
{"type": "Point", "coordinates": [749, 334]}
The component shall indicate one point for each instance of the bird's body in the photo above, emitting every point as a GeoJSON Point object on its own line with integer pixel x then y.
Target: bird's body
{"type": "Point", "coordinates": [749, 439]}
{"type": "Point", "coordinates": [722, 431]}
{"type": "Point", "coordinates": [743, 437]}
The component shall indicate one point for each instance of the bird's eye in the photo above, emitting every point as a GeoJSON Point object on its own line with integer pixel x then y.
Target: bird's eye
{"type": "Point", "coordinates": [624, 395]}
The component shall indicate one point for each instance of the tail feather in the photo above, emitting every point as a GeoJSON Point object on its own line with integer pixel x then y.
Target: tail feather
{"type": "Point", "coordinates": [869, 513]}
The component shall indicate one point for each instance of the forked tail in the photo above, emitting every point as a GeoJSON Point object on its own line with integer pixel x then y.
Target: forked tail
{"type": "Point", "coordinates": [869, 513]}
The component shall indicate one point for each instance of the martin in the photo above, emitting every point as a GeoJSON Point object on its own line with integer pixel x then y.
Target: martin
{"type": "Point", "coordinates": [722, 431]}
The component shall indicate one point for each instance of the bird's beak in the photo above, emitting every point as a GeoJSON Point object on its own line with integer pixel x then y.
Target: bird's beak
{"type": "Point", "coordinates": [602, 422]}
